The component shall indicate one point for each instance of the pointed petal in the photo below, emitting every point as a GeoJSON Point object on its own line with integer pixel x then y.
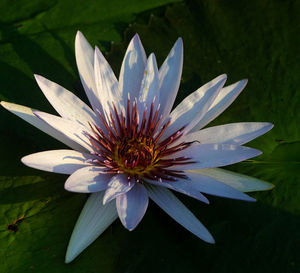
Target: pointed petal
{"type": "Point", "coordinates": [149, 87]}
{"type": "Point", "coordinates": [233, 133]}
{"type": "Point", "coordinates": [93, 220]}
{"type": "Point", "coordinates": [58, 161]}
{"type": "Point", "coordinates": [182, 186]}
{"type": "Point", "coordinates": [71, 129]}
{"type": "Point", "coordinates": [172, 206]}
{"type": "Point", "coordinates": [192, 108]}
{"type": "Point", "coordinates": [212, 186]}
{"type": "Point", "coordinates": [87, 180]}
{"type": "Point", "coordinates": [27, 114]}
{"type": "Point", "coordinates": [119, 184]}
{"type": "Point", "coordinates": [169, 77]}
{"type": "Point", "coordinates": [106, 83]}
{"type": "Point", "coordinates": [214, 155]}
{"type": "Point", "coordinates": [85, 63]}
{"type": "Point", "coordinates": [226, 96]}
{"type": "Point", "coordinates": [238, 181]}
{"type": "Point", "coordinates": [132, 69]}
{"type": "Point", "coordinates": [65, 102]}
{"type": "Point", "coordinates": [132, 205]}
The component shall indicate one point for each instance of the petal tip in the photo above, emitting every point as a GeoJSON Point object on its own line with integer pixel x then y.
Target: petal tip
{"type": "Point", "coordinates": [258, 152]}
{"type": "Point", "coordinates": [223, 76]}
{"type": "Point", "coordinates": [179, 42]}
{"type": "Point", "coordinates": [79, 35]}
{"type": "Point", "coordinates": [268, 186]}
{"type": "Point", "coordinates": [37, 76]}
{"type": "Point", "coordinates": [41, 81]}
{"type": "Point", "coordinates": [69, 258]}
{"type": "Point", "coordinates": [66, 186]}
{"type": "Point", "coordinates": [243, 83]}
{"type": "Point", "coordinates": [209, 239]}
{"type": "Point", "coordinates": [271, 125]}
{"type": "Point", "coordinates": [130, 228]}
{"type": "Point", "coordinates": [250, 199]}
{"type": "Point", "coordinates": [212, 241]}
{"type": "Point", "coordinates": [136, 38]}
{"type": "Point", "coordinates": [24, 160]}
{"type": "Point", "coordinates": [105, 200]}
{"type": "Point", "coordinates": [4, 104]}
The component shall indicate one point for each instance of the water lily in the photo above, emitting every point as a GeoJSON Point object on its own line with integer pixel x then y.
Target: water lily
{"type": "Point", "coordinates": [130, 145]}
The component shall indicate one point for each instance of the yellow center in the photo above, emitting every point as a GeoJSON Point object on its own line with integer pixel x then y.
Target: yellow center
{"type": "Point", "coordinates": [135, 157]}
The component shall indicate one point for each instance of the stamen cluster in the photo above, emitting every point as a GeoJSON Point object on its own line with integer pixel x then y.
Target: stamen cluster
{"type": "Point", "coordinates": [127, 145]}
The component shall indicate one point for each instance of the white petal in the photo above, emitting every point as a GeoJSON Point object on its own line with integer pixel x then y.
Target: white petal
{"type": "Point", "coordinates": [106, 83]}
{"type": "Point", "coordinates": [119, 184]}
{"type": "Point", "coordinates": [172, 206]}
{"type": "Point", "coordinates": [65, 102]}
{"type": "Point", "coordinates": [85, 63]}
{"type": "Point", "coordinates": [226, 96]}
{"type": "Point", "coordinates": [233, 133]}
{"type": "Point", "coordinates": [212, 186]}
{"type": "Point", "coordinates": [238, 181]}
{"type": "Point", "coordinates": [27, 114]}
{"type": "Point", "coordinates": [192, 108]}
{"type": "Point", "coordinates": [87, 180]}
{"type": "Point", "coordinates": [182, 186]}
{"type": "Point", "coordinates": [132, 69]}
{"type": "Point", "coordinates": [169, 77]}
{"type": "Point", "coordinates": [214, 155]}
{"type": "Point", "coordinates": [93, 220]}
{"type": "Point", "coordinates": [71, 129]}
{"type": "Point", "coordinates": [131, 206]}
{"type": "Point", "coordinates": [150, 84]}
{"type": "Point", "coordinates": [58, 161]}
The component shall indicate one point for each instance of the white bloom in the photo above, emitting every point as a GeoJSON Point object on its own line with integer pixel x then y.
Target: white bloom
{"type": "Point", "coordinates": [131, 145]}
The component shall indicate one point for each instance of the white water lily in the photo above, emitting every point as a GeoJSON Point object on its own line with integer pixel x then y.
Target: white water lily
{"type": "Point", "coordinates": [131, 145]}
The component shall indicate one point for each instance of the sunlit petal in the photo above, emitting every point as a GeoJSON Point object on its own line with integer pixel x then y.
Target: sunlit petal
{"type": "Point", "coordinates": [93, 220]}
{"type": "Point", "coordinates": [132, 205]}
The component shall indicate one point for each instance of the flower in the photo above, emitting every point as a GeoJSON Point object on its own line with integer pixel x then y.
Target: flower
{"type": "Point", "coordinates": [131, 145]}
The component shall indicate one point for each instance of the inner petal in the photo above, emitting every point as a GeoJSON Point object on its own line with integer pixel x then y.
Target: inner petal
{"type": "Point", "coordinates": [133, 147]}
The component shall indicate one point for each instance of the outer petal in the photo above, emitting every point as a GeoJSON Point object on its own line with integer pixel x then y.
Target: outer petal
{"type": "Point", "coordinates": [65, 102]}
{"type": "Point", "coordinates": [226, 96]}
{"type": "Point", "coordinates": [132, 69]}
{"type": "Point", "coordinates": [233, 133]}
{"type": "Point", "coordinates": [85, 63]}
{"type": "Point", "coordinates": [172, 206]}
{"type": "Point", "coordinates": [238, 181]}
{"type": "Point", "coordinates": [214, 155]}
{"type": "Point", "coordinates": [150, 84]}
{"type": "Point", "coordinates": [106, 83]}
{"type": "Point", "coordinates": [71, 129]}
{"type": "Point", "coordinates": [212, 186]}
{"type": "Point", "coordinates": [87, 180]}
{"type": "Point", "coordinates": [58, 161]}
{"type": "Point", "coordinates": [27, 114]}
{"type": "Point", "coordinates": [169, 77]}
{"type": "Point", "coordinates": [118, 185]}
{"type": "Point", "coordinates": [181, 186]}
{"type": "Point", "coordinates": [93, 220]}
{"type": "Point", "coordinates": [192, 108]}
{"type": "Point", "coordinates": [132, 205]}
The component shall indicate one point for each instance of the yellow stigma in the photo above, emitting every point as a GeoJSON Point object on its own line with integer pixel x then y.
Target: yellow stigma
{"type": "Point", "coordinates": [135, 156]}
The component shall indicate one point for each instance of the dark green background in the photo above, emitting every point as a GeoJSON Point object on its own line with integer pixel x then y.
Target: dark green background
{"type": "Point", "coordinates": [254, 39]}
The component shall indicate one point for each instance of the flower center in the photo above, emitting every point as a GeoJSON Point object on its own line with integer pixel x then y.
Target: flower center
{"type": "Point", "coordinates": [127, 145]}
{"type": "Point", "coordinates": [135, 156]}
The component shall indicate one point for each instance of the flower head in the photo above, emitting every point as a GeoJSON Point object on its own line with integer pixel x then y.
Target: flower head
{"type": "Point", "coordinates": [131, 145]}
